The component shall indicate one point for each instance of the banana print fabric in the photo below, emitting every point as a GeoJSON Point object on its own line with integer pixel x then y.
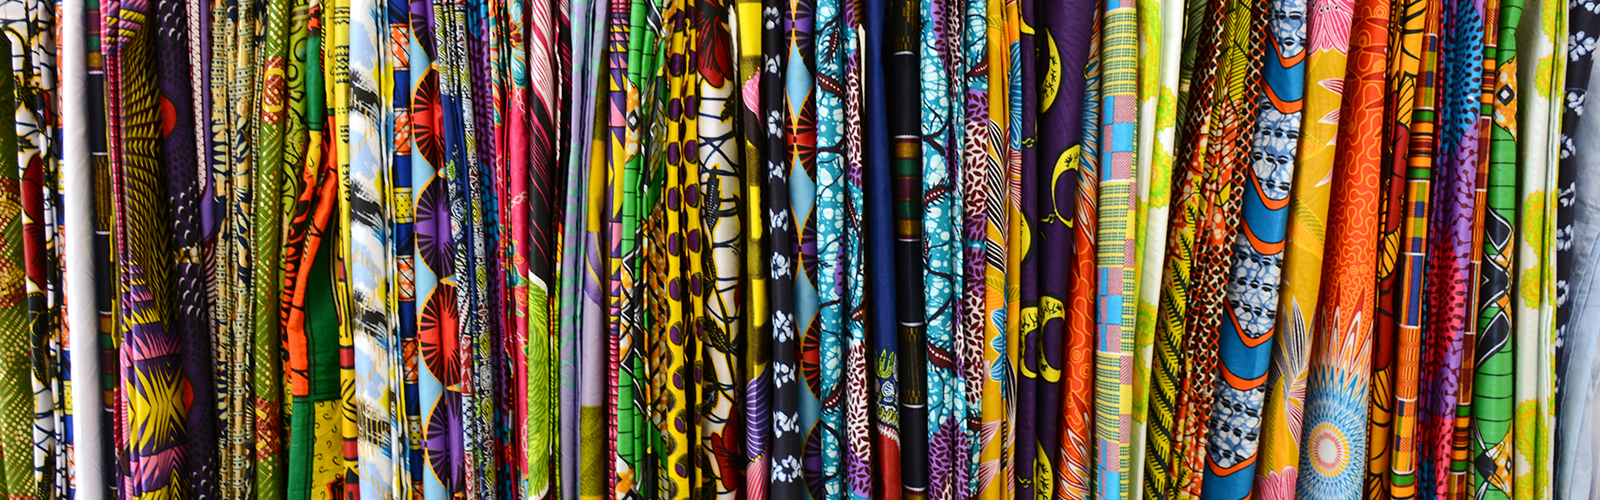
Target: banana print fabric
{"type": "Point", "coordinates": [795, 249]}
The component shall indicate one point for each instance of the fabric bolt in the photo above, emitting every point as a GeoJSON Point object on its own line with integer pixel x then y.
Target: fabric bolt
{"type": "Point", "coordinates": [1204, 31]}
{"type": "Point", "coordinates": [856, 435]}
{"type": "Point", "coordinates": [721, 403]}
{"type": "Point", "coordinates": [180, 176]}
{"type": "Point", "coordinates": [1244, 347]}
{"type": "Point", "coordinates": [14, 309]}
{"type": "Point", "coordinates": [152, 377]}
{"type": "Point", "coordinates": [1161, 33]}
{"type": "Point", "coordinates": [971, 100]}
{"type": "Point", "coordinates": [1493, 405]}
{"type": "Point", "coordinates": [1326, 51]}
{"type": "Point", "coordinates": [675, 258]}
{"type": "Point", "coordinates": [1025, 261]}
{"type": "Point", "coordinates": [902, 81]}
{"type": "Point", "coordinates": [266, 211]}
{"type": "Point", "coordinates": [800, 145]}
{"type": "Point", "coordinates": [759, 34]}
{"type": "Point", "coordinates": [1568, 480]}
{"type": "Point", "coordinates": [774, 442]}
{"type": "Point", "coordinates": [626, 207]}
{"type": "Point", "coordinates": [574, 244]}
{"type": "Point", "coordinates": [1536, 293]}
{"type": "Point", "coordinates": [826, 442]}
{"type": "Point", "coordinates": [1449, 267]}
{"type": "Point", "coordinates": [1407, 43]}
{"type": "Point", "coordinates": [1115, 249]}
{"type": "Point", "coordinates": [371, 255]}
{"type": "Point", "coordinates": [1233, 116]}
{"type": "Point", "coordinates": [119, 407]}
{"type": "Point", "coordinates": [1574, 387]}
{"type": "Point", "coordinates": [311, 330]}
{"type": "Point", "coordinates": [1411, 264]}
{"type": "Point", "coordinates": [409, 458]}
{"type": "Point", "coordinates": [880, 257]}
{"type": "Point", "coordinates": [34, 76]}
{"type": "Point", "coordinates": [1339, 370]}
{"type": "Point", "coordinates": [994, 453]}
{"type": "Point", "coordinates": [1460, 475]}
{"type": "Point", "coordinates": [237, 90]}
{"type": "Point", "coordinates": [940, 60]}
{"type": "Point", "coordinates": [1460, 72]}
{"type": "Point", "coordinates": [1062, 432]}
{"type": "Point", "coordinates": [88, 451]}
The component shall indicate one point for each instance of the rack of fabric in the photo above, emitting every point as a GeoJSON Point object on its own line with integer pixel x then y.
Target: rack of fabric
{"type": "Point", "coordinates": [799, 250]}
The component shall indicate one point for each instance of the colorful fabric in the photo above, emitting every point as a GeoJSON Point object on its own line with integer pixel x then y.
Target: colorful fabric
{"type": "Point", "coordinates": [1449, 268]}
{"type": "Point", "coordinates": [1340, 367]}
{"type": "Point", "coordinates": [1492, 405]}
{"type": "Point", "coordinates": [1411, 261]}
{"type": "Point", "coordinates": [1116, 250]}
{"type": "Point", "coordinates": [803, 250]}
{"type": "Point", "coordinates": [1244, 346]}
{"type": "Point", "coordinates": [1280, 444]}
{"type": "Point", "coordinates": [18, 469]}
{"type": "Point", "coordinates": [1535, 297]}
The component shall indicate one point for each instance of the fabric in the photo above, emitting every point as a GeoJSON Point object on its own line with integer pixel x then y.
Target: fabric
{"type": "Point", "coordinates": [1339, 372]}
{"type": "Point", "coordinates": [1115, 249]}
{"type": "Point", "coordinates": [87, 451]}
{"type": "Point", "coordinates": [1245, 340]}
{"type": "Point", "coordinates": [18, 469]}
{"type": "Point", "coordinates": [1326, 53]}
{"type": "Point", "coordinates": [1449, 274]}
{"type": "Point", "coordinates": [1161, 33]}
{"type": "Point", "coordinates": [1493, 406]}
{"type": "Point", "coordinates": [1571, 266]}
{"type": "Point", "coordinates": [1410, 264]}
{"type": "Point", "coordinates": [808, 250]}
{"type": "Point", "coordinates": [1536, 248]}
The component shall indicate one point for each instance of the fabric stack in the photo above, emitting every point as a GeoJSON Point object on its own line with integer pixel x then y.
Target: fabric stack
{"type": "Point", "coordinates": [799, 250]}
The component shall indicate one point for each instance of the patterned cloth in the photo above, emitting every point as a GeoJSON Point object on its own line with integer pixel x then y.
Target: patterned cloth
{"type": "Point", "coordinates": [1339, 372]}
{"type": "Point", "coordinates": [808, 250]}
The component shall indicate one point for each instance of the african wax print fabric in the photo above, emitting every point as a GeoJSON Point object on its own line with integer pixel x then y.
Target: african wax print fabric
{"type": "Point", "coordinates": [1279, 446]}
{"type": "Point", "coordinates": [1492, 405]}
{"type": "Point", "coordinates": [795, 249]}
{"type": "Point", "coordinates": [1340, 367]}
{"type": "Point", "coordinates": [1245, 340]}
{"type": "Point", "coordinates": [1536, 293]}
